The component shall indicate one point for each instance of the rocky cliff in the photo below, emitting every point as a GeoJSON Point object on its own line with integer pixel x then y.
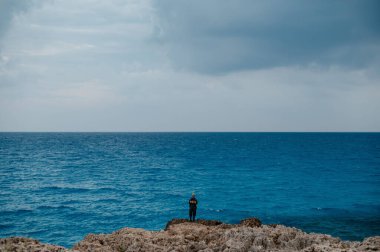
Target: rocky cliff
{"type": "Point", "coordinates": [203, 235]}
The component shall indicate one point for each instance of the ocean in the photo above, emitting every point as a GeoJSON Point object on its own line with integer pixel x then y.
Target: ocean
{"type": "Point", "coordinates": [58, 187]}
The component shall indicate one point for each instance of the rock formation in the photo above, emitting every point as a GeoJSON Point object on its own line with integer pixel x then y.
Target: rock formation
{"type": "Point", "coordinates": [205, 235]}
{"type": "Point", "coordinates": [21, 244]}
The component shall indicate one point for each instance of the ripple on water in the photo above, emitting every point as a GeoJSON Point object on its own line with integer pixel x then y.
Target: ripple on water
{"type": "Point", "coordinates": [55, 208]}
{"type": "Point", "coordinates": [15, 212]}
{"type": "Point", "coordinates": [63, 189]}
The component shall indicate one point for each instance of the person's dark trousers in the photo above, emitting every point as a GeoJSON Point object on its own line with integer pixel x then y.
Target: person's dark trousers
{"type": "Point", "coordinates": [192, 213]}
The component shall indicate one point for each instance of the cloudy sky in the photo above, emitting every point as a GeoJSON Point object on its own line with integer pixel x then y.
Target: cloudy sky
{"type": "Point", "coordinates": [172, 65]}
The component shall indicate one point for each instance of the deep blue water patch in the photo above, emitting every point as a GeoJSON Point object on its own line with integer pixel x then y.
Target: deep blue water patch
{"type": "Point", "coordinates": [57, 187]}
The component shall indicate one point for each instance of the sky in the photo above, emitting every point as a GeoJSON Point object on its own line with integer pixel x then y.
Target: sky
{"type": "Point", "coordinates": [173, 65]}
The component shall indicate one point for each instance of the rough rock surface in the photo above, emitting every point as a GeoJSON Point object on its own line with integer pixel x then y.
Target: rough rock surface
{"type": "Point", "coordinates": [21, 244]}
{"type": "Point", "coordinates": [204, 222]}
{"type": "Point", "coordinates": [251, 222]}
{"type": "Point", "coordinates": [203, 235]}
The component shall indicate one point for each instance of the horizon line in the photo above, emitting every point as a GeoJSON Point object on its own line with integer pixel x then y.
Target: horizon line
{"type": "Point", "coordinates": [189, 131]}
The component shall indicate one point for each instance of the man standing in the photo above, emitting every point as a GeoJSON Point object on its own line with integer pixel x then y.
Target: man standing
{"type": "Point", "coordinates": [192, 207]}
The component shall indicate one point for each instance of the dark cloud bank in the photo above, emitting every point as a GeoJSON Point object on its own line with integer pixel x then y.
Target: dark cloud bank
{"type": "Point", "coordinates": [223, 36]}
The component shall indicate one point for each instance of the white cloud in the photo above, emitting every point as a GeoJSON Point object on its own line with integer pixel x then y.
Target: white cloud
{"type": "Point", "coordinates": [59, 48]}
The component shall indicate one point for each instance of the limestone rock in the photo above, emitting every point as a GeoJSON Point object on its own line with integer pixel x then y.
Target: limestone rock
{"type": "Point", "coordinates": [21, 244]}
{"type": "Point", "coordinates": [204, 235]}
{"type": "Point", "coordinates": [251, 222]}
{"type": "Point", "coordinates": [201, 221]}
{"type": "Point", "coordinates": [249, 235]}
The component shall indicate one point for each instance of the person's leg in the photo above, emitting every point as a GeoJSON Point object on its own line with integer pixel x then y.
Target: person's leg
{"type": "Point", "coordinates": [194, 214]}
{"type": "Point", "coordinates": [190, 213]}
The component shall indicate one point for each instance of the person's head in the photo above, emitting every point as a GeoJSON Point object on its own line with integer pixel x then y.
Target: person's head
{"type": "Point", "coordinates": [193, 195]}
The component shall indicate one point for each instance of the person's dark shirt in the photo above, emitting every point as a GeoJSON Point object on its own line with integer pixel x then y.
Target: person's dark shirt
{"type": "Point", "coordinates": [193, 203]}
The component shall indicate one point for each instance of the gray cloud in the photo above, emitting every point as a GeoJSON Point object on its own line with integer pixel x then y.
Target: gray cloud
{"type": "Point", "coordinates": [223, 36]}
{"type": "Point", "coordinates": [92, 65]}
{"type": "Point", "coordinates": [9, 8]}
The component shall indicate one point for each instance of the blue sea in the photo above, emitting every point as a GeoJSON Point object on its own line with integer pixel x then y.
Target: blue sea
{"type": "Point", "coordinates": [58, 187]}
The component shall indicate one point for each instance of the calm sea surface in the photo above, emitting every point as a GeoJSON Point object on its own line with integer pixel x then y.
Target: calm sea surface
{"type": "Point", "coordinates": [57, 187]}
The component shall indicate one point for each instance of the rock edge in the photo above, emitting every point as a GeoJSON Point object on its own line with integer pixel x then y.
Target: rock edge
{"type": "Point", "coordinates": [202, 235]}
